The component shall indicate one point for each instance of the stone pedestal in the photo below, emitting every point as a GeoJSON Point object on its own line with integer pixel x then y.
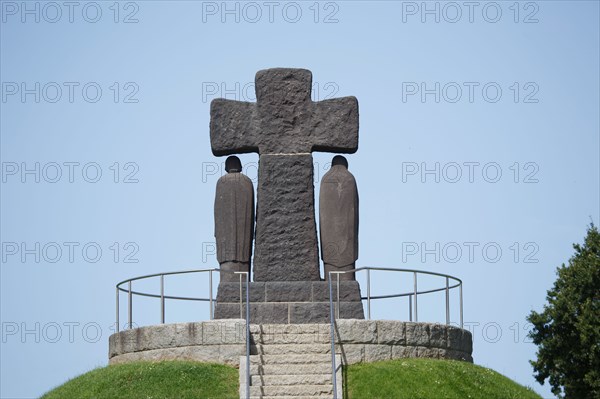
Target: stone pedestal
{"type": "Point", "coordinates": [289, 302]}
{"type": "Point", "coordinates": [357, 341]}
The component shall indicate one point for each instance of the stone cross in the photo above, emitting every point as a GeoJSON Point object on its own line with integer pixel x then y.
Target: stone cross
{"type": "Point", "coordinates": [284, 127]}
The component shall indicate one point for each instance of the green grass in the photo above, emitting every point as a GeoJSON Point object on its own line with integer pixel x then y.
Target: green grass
{"type": "Point", "coordinates": [427, 378]}
{"type": "Point", "coordinates": [176, 379]}
{"type": "Point", "coordinates": [397, 379]}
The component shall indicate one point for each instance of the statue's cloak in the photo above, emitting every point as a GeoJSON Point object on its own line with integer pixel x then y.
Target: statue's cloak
{"type": "Point", "coordinates": [234, 218]}
{"type": "Point", "coordinates": [338, 217]}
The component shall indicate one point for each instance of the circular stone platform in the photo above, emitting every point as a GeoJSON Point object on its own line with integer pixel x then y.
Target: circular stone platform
{"type": "Point", "coordinates": [224, 341]}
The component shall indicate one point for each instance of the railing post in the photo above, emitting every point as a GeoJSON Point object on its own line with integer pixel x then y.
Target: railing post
{"type": "Point", "coordinates": [247, 335]}
{"type": "Point", "coordinates": [416, 293]}
{"type": "Point", "coordinates": [410, 307]}
{"type": "Point", "coordinates": [162, 299]}
{"type": "Point", "coordinates": [130, 307]}
{"type": "Point", "coordinates": [241, 300]}
{"type": "Point", "coordinates": [369, 294]}
{"type": "Point", "coordinates": [117, 309]}
{"type": "Point", "coordinates": [447, 301]}
{"type": "Point", "coordinates": [332, 320]}
{"type": "Point", "coordinates": [210, 289]}
{"type": "Point", "coordinates": [460, 290]}
{"type": "Point", "coordinates": [338, 296]}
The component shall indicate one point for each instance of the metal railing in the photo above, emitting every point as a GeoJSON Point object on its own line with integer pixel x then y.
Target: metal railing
{"type": "Point", "coordinates": [247, 329]}
{"type": "Point", "coordinates": [451, 282]}
{"type": "Point", "coordinates": [130, 293]}
{"type": "Point", "coordinates": [412, 297]}
{"type": "Point", "coordinates": [332, 328]}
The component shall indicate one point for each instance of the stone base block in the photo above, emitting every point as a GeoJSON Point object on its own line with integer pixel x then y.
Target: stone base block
{"type": "Point", "coordinates": [216, 341]}
{"type": "Point", "coordinates": [224, 341]}
{"type": "Point", "coordinates": [289, 302]}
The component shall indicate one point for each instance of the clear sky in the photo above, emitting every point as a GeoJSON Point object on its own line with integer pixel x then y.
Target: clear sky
{"type": "Point", "coordinates": [479, 129]}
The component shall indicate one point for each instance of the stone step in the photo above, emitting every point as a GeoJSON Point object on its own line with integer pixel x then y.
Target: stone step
{"type": "Point", "coordinates": [289, 349]}
{"type": "Point", "coordinates": [292, 397]}
{"type": "Point", "coordinates": [290, 359]}
{"type": "Point", "coordinates": [291, 379]}
{"type": "Point", "coordinates": [322, 329]}
{"type": "Point", "coordinates": [292, 390]}
{"type": "Point", "coordinates": [282, 369]}
{"type": "Point", "coordinates": [291, 338]}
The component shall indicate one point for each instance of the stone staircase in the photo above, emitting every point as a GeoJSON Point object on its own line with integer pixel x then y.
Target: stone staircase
{"type": "Point", "coordinates": [290, 361]}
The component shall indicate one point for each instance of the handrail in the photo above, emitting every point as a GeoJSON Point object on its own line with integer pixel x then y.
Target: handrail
{"type": "Point", "coordinates": [131, 292]}
{"type": "Point", "coordinates": [126, 287]}
{"type": "Point", "coordinates": [412, 296]}
{"type": "Point", "coordinates": [415, 293]}
{"type": "Point", "coordinates": [171, 273]}
{"type": "Point", "coordinates": [247, 330]}
{"type": "Point", "coordinates": [332, 329]}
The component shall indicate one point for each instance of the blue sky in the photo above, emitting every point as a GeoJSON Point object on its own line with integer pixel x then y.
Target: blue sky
{"type": "Point", "coordinates": [478, 129]}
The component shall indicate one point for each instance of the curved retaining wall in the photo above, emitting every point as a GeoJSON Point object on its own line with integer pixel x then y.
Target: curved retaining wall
{"type": "Point", "coordinates": [224, 341]}
{"type": "Point", "coordinates": [218, 341]}
{"type": "Point", "coordinates": [375, 340]}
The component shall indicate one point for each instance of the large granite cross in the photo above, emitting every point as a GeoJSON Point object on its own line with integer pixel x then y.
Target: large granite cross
{"type": "Point", "coordinates": [284, 126]}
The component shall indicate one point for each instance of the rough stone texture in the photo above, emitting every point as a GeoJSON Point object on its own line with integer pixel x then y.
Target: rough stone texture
{"type": "Point", "coordinates": [230, 292]}
{"type": "Point", "coordinates": [265, 312]}
{"type": "Point", "coordinates": [366, 341]}
{"type": "Point", "coordinates": [292, 291]}
{"type": "Point", "coordinates": [391, 333]}
{"type": "Point", "coordinates": [284, 119]}
{"type": "Point", "coordinates": [234, 221]}
{"type": "Point", "coordinates": [210, 354]}
{"type": "Point", "coordinates": [417, 334]}
{"type": "Point", "coordinates": [349, 331]}
{"type": "Point", "coordinates": [351, 310]}
{"type": "Point", "coordinates": [311, 312]}
{"type": "Point", "coordinates": [356, 341]}
{"type": "Point", "coordinates": [317, 368]}
{"type": "Point", "coordinates": [438, 335]}
{"type": "Point", "coordinates": [220, 341]}
{"type": "Point", "coordinates": [467, 342]}
{"type": "Point", "coordinates": [431, 353]}
{"type": "Point", "coordinates": [349, 291]}
{"type": "Point", "coordinates": [455, 337]}
{"type": "Point", "coordinates": [277, 302]}
{"type": "Point", "coordinates": [289, 349]}
{"type": "Point", "coordinates": [286, 233]}
{"type": "Point", "coordinates": [306, 375]}
{"type": "Point", "coordinates": [401, 352]}
{"type": "Point", "coordinates": [287, 329]}
{"type": "Point", "coordinates": [352, 353]}
{"type": "Point", "coordinates": [288, 312]}
{"type": "Point", "coordinates": [284, 126]}
{"type": "Point", "coordinates": [338, 219]}
{"type": "Point", "coordinates": [289, 291]}
{"type": "Point", "coordinates": [296, 339]}
{"type": "Point", "coordinates": [376, 353]}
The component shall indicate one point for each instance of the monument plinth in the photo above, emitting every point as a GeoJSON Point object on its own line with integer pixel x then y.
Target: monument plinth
{"type": "Point", "coordinates": [284, 127]}
{"type": "Point", "coordinates": [288, 345]}
{"type": "Point", "coordinates": [288, 302]}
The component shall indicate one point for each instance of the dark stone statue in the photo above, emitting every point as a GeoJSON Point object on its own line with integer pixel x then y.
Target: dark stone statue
{"type": "Point", "coordinates": [234, 220]}
{"type": "Point", "coordinates": [338, 219]}
{"type": "Point", "coordinates": [284, 126]}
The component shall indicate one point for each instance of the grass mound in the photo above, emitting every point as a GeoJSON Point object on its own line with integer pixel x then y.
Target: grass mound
{"type": "Point", "coordinates": [428, 378]}
{"type": "Point", "coordinates": [173, 379]}
{"type": "Point", "coordinates": [403, 378]}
